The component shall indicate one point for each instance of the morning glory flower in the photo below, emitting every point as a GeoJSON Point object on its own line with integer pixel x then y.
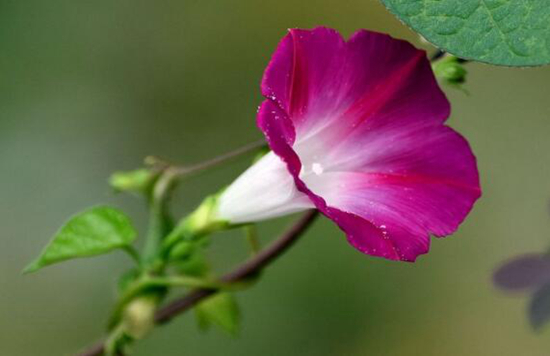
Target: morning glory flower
{"type": "Point", "coordinates": [356, 130]}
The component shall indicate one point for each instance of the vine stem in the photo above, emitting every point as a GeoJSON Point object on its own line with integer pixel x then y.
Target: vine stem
{"type": "Point", "coordinates": [181, 171]}
{"type": "Point", "coordinates": [248, 269]}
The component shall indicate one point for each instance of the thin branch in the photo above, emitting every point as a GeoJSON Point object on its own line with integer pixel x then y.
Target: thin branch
{"type": "Point", "coordinates": [180, 171]}
{"type": "Point", "coordinates": [242, 272]}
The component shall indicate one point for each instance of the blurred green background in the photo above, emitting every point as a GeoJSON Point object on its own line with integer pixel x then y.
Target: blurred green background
{"type": "Point", "coordinates": [90, 87]}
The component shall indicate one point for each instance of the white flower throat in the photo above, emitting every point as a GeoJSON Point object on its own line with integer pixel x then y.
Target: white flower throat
{"type": "Point", "coordinates": [264, 191]}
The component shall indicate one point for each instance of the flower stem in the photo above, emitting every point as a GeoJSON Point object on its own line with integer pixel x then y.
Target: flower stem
{"type": "Point", "coordinates": [160, 222]}
{"type": "Point", "coordinates": [182, 171]}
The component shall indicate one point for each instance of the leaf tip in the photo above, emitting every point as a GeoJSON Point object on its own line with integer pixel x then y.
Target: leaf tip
{"type": "Point", "coordinates": [32, 267]}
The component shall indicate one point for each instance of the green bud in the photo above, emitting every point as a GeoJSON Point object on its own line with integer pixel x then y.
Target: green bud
{"type": "Point", "coordinates": [450, 70]}
{"type": "Point", "coordinates": [137, 181]}
{"type": "Point", "coordinates": [139, 316]}
{"type": "Point", "coordinates": [204, 219]}
{"type": "Point", "coordinates": [182, 250]}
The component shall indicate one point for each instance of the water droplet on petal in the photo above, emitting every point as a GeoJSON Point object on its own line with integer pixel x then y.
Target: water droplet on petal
{"type": "Point", "coordinates": [317, 168]}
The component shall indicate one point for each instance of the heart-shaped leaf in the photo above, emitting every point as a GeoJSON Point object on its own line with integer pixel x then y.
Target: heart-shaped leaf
{"type": "Point", "coordinates": [92, 232]}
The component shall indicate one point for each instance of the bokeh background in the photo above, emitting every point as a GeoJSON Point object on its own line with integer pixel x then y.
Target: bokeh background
{"type": "Point", "coordinates": [90, 87]}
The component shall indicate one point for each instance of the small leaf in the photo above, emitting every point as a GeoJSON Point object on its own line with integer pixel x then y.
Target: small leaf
{"type": "Point", "coordinates": [220, 310]}
{"type": "Point", "coordinates": [92, 232]}
{"type": "Point", "coordinates": [450, 70]}
{"type": "Point", "coordinates": [502, 32]}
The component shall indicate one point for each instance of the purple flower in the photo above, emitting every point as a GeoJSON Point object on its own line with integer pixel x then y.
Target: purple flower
{"type": "Point", "coordinates": [357, 131]}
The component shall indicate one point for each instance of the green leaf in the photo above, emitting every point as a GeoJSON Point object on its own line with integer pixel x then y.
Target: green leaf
{"type": "Point", "coordinates": [503, 32]}
{"type": "Point", "coordinates": [220, 310]}
{"type": "Point", "coordinates": [92, 232]}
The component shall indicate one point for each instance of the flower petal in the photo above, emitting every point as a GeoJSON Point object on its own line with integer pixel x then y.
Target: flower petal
{"type": "Point", "coordinates": [360, 126]}
{"type": "Point", "coordinates": [331, 87]}
{"type": "Point", "coordinates": [300, 67]}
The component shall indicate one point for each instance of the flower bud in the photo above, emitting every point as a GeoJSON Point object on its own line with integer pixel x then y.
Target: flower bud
{"type": "Point", "coordinates": [450, 70]}
{"type": "Point", "coordinates": [139, 180]}
{"type": "Point", "coordinates": [205, 219]}
{"type": "Point", "coordinates": [139, 316]}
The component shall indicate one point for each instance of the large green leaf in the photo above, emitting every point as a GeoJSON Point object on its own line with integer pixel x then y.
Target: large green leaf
{"type": "Point", "coordinates": [92, 232]}
{"type": "Point", "coordinates": [504, 32]}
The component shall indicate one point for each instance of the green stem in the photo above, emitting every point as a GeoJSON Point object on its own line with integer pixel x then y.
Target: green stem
{"type": "Point", "coordinates": [241, 273]}
{"type": "Point", "coordinates": [162, 236]}
{"type": "Point", "coordinates": [112, 344]}
{"type": "Point", "coordinates": [160, 222]}
{"type": "Point", "coordinates": [179, 233]}
{"type": "Point", "coordinates": [158, 225]}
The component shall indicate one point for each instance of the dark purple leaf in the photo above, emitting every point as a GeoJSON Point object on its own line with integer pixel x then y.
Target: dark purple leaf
{"type": "Point", "coordinates": [539, 307]}
{"type": "Point", "coordinates": [525, 272]}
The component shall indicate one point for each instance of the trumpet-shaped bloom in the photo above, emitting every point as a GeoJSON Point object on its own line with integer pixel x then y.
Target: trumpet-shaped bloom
{"type": "Point", "coordinates": [356, 130]}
